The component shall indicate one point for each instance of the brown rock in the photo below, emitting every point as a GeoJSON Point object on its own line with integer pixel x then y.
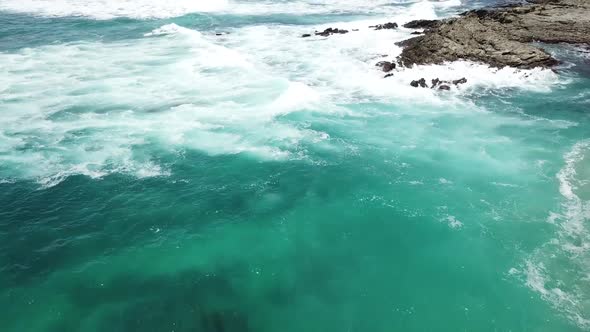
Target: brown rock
{"type": "Point", "coordinates": [501, 36]}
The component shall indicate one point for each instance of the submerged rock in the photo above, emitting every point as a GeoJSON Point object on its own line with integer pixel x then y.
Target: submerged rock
{"type": "Point", "coordinates": [500, 37]}
{"type": "Point", "coordinates": [386, 66]}
{"type": "Point", "coordinates": [305, 35]}
{"type": "Point", "coordinates": [444, 87]}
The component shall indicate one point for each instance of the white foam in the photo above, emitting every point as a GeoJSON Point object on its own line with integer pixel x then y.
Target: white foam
{"type": "Point", "coordinates": [170, 29]}
{"type": "Point", "coordinates": [576, 211]}
{"type": "Point", "coordinates": [343, 66]}
{"type": "Point", "coordinates": [109, 103]}
{"type": "Point", "coordinates": [537, 278]}
{"type": "Point", "coordinates": [186, 89]}
{"type": "Point", "coordinates": [564, 260]}
{"type": "Point", "coordinates": [448, 4]}
{"type": "Point", "coordinates": [387, 8]}
{"type": "Point", "coordinates": [444, 181]}
{"type": "Point", "coordinates": [109, 9]}
{"type": "Point", "coordinates": [453, 222]}
{"type": "Point", "coordinates": [147, 9]}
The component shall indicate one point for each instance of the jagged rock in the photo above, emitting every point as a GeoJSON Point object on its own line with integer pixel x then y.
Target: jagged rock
{"type": "Point", "coordinates": [386, 66]}
{"type": "Point", "coordinates": [330, 31]}
{"type": "Point", "coordinates": [305, 35]}
{"type": "Point", "coordinates": [419, 83]}
{"type": "Point", "coordinates": [422, 24]}
{"type": "Point", "coordinates": [500, 37]}
{"type": "Point", "coordinates": [390, 25]}
{"type": "Point", "coordinates": [444, 87]}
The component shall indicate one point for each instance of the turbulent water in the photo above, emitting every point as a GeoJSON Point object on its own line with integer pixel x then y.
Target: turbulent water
{"type": "Point", "coordinates": [195, 165]}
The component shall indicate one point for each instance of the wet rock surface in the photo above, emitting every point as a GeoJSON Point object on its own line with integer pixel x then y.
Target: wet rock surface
{"type": "Point", "coordinates": [500, 36]}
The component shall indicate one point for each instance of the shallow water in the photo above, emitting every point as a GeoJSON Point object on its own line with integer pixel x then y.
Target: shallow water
{"type": "Point", "coordinates": [156, 176]}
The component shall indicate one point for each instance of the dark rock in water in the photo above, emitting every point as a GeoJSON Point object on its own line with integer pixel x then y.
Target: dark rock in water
{"type": "Point", "coordinates": [415, 33]}
{"type": "Point", "coordinates": [460, 81]}
{"type": "Point", "coordinates": [330, 31]}
{"type": "Point", "coordinates": [419, 83]}
{"type": "Point", "coordinates": [355, 29]}
{"type": "Point", "coordinates": [437, 82]}
{"type": "Point", "coordinates": [422, 83]}
{"type": "Point", "coordinates": [388, 75]}
{"type": "Point", "coordinates": [390, 25]}
{"type": "Point", "coordinates": [501, 36]}
{"type": "Point", "coordinates": [305, 35]}
{"type": "Point", "coordinates": [444, 87]}
{"type": "Point", "coordinates": [386, 66]}
{"type": "Point", "coordinates": [422, 24]}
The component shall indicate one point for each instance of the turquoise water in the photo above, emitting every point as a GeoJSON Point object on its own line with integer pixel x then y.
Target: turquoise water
{"type": "Point", "coordinates": [155, 176]}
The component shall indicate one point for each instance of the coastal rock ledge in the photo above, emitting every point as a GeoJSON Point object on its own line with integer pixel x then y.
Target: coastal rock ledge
{"type": "Point", "coordinates": [500, 36]}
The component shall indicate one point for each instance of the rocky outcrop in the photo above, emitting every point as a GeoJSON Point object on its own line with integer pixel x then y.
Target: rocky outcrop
{"type": "Point", "coordinates": [500, 36]}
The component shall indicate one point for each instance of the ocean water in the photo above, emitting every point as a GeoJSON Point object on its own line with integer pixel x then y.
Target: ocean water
{"type": "Point", "coordinates": [197, 166]}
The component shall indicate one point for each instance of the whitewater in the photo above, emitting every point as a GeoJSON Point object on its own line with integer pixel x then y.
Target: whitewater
{"type": "Point", "coordinates": [199, 166]}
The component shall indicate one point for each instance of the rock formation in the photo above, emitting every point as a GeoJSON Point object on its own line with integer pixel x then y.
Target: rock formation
{"type": "Point", "coordinates": [500, 36]}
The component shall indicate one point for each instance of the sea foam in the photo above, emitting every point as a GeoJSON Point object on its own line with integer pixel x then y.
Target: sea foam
{"type": "Point", "coordinates": [570, 249]}
{"type": "Point", "coordinates": [150, 9]}
{"type": "Point", "coordinates": [184, 89]}
{"type": "Point", "coordinates": [109, 9]}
